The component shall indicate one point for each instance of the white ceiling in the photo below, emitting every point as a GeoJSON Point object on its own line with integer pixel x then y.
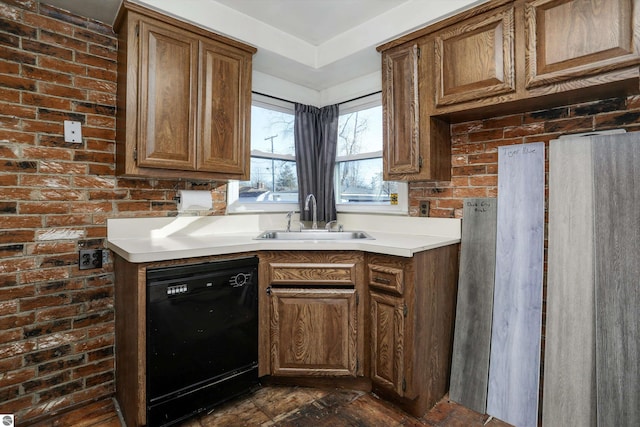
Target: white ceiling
{"type": "Point", "coordinates": [314, 44]}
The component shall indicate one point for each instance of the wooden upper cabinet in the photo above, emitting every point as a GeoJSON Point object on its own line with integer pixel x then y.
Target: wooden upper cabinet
{"type": "Point", "coordinates": [184, 99]}
{"type": "Point", "coordinates": [167, 102]}
{"type": "Point", "coordinates": [475, 58]}
{"type": "Point", "coordinates": [576, 38]}
{"type": "Point", "coordinates": [401, 110]}
{"type": "Point", "coordinates": [415, 147]}
{"type": "Point", "coordinates": [224, 100]}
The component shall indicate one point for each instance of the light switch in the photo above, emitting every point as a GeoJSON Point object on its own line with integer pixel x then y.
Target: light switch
{"type": "Point", "coordinates": [72, 131]}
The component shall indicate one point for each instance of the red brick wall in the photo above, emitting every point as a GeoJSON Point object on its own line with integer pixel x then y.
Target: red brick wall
{"type": "Point", "coordinates": [475, 147]}
{"type": "Point", "coordinates": [57, 322]}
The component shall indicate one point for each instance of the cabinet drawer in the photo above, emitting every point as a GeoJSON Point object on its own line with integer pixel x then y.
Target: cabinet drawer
{"type": "Point", "coordinates": [387, 278]}
{"type": "Point", "coordinates": [313, 274]}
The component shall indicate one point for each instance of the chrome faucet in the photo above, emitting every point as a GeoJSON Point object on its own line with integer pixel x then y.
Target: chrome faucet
{"type": "Point", "coordinates": [315, 209]}
{"type": "Point", "coordinates": [329, 224]}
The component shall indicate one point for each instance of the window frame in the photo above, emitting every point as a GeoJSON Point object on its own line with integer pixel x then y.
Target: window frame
{"type": "Point", "coordinates": [362, 103]}
{"type": "Point", "coordinates": [233, 186]}
{"type": "Point", "coordinates": [402, 208]}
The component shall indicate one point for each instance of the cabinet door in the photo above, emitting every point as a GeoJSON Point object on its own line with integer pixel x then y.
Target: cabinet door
{"type": "Point", "coordinates": [474, 59]}
{"type": "Point", "coordinates": [167, 97]}
{"type": "Point", "coordinates": [388, 341]}
{"type": "Point", "coordinates": [577, 38]}
{"type": "Point", "coordinates": [401, 110]}
{"type": "Point", "coordinates": [313, 332]}
{"type": "Point", "coordinates": [225, 109]}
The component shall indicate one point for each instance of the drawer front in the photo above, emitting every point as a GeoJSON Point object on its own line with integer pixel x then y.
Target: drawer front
{"type": "Point", "coordinates": [386, 278]}
{"type": "Point", "coordinates": [313, 274]}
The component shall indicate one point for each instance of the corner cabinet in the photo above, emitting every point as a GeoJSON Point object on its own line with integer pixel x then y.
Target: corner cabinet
{"type": "Point", "coordinates": [184, 99]}
{"type": "Point", "coordinates": [311, 317]}
{"type": "Point", "coordinates": [412, 306]}
{"type": "Point", "coordinates": [500, 57]}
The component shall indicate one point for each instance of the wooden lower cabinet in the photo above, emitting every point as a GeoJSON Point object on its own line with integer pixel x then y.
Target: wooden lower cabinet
{"type": "Point", "coordinates": [412, 308]}
{"type": "Point", "coordinates": [387, 341]}
{"type": "Point", "coordinates": [314, 331]}
{"type": "Point", "coordinates": [312, 317]}
{"type": "Point", "coordinates": [362, 320]}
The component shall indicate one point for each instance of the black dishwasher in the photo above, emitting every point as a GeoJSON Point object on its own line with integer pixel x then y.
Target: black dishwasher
{"type": "Point", "coordinates": [202, 337]}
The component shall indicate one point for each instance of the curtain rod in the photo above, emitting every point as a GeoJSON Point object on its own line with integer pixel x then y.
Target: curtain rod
{"type": "Point", "coordinates": [340, 103]}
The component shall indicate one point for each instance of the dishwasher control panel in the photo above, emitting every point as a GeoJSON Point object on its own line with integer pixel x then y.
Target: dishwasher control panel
{"type": "Point", "coordinates": [177, 289]}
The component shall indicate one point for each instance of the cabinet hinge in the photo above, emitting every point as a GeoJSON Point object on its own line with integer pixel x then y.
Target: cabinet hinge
{"type": "Point", "coordinates": [418, 52]}
{"type": "Point", "coordinates": [404, 384]}
{"type": "Point", "coordinates": [137, 30]}
{"type": "Point", "coordinates": [357, 299]}
{"type": "Point", "coordinates": [420, 161]}
{"type": "Point", "coordinates": [357, 365]}
{"type": "Point", "coordinates": [405, 310]}
{"type": "Point", "coordinates": [268, 290]}
{"type": "Point", "coordinates": [135, 154]}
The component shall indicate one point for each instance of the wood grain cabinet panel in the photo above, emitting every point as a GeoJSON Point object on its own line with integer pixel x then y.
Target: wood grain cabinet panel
{"type": "Point", "coordinates": [401, 109]}
{"type": "Point", "coordinates": [475, 59]}
{"type": "Point", "coordinates": [568, 39]}
{"type": "Point", "coordinates": [387, 341]}
{"type": "Point", "coordinates": [333, 274]}
{"type": "Point", "coordinates": [386, 278]}
{"type": "Point", "coordinates": [411, 330]}
{"type": "Point", "coordinates": [168, 75]}
{"type": "Point", "coordinates": [311, 314]}
{"type": "Point", "coordinates": [184, 99]}
{"type": "Point", "coordinates": [313, 331]}
{"type": "Point", "coordinates": [223, 101]}
{"type": "Point", "coordinates": [415, 147]}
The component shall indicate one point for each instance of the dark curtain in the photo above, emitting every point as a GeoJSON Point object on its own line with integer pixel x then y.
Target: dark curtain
{"type": "Point", "coordinates": [316, 140]}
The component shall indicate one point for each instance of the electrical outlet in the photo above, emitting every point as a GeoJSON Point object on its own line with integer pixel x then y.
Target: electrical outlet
{"type": "Point", "coordinates": [424, 208]}
{"type": "Point", "coordinates": [90, 258]}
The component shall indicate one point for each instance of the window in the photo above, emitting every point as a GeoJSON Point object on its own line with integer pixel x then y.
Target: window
{"type": "Point", "coordinates": [274, 182]}
{"type": "Point", "coordinates": [359, 186]}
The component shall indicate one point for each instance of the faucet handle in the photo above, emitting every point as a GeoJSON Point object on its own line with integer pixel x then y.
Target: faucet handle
{"type": "Point", "coordinates": [329, 224]}
{"type": "Point", "coordinates": [289, 220]}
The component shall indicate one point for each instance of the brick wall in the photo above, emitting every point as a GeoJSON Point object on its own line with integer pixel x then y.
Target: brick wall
{"type": "Point", "coordinates": [57, 322]}
{"type": "Point", "coordinates": [475, 145]}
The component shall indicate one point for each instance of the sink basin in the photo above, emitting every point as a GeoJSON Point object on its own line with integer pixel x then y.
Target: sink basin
{"type": "Point", "coordinates": [314, 235]}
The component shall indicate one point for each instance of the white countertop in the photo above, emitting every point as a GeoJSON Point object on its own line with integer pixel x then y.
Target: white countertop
{"type": "Point", "coordinates": [158, 239]}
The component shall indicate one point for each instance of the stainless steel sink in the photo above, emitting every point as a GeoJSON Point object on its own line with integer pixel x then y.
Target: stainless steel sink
{"type": "Point", "coordinates": [314, 235]}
